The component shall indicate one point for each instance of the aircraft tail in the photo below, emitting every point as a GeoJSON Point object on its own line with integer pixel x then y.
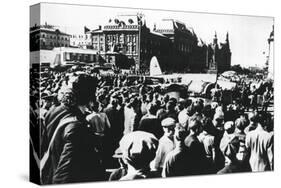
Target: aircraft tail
{"type": "Point", "coordinates": [57, 60]}
{"type": "Point", "coordinates": [154, 68]}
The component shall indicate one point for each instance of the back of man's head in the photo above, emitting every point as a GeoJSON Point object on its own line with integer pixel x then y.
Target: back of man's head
{"type": "Point", "coordinates": [114, 102]}
{"type": "Point", "coordinates": [253, 117]}
{"type": "Point", "coordinates": [229, 127]}
{"type": "Point", "coordinates": [170, 106]}
{"type": "Point", "coordinates": [152, 108]}
{"type": "Point", "coordinates": [180, 133]}
{"type": "Point", "coordinates": [198, 107]}
{"type": "Point", "coordinates": [194, 124]}
{"type": "Point", "coordinates": [240, 123]}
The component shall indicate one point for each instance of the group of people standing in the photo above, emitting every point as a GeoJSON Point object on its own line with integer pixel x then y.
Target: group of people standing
{"type": "Point", "coordinates": [88, 129]}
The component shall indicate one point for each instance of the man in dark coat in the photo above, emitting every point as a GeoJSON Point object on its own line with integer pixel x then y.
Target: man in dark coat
{"type": "Point", "coordinates": [52, 119]}
{"type": "Point", "coordinates": [116, 121]}
{"type": "Point", "coordinates": [72, 154]}
{"type": "Point", "coordinates": [177, 161]}
{"type": "Point", "coordinates": [197, 153]}
{"type": "Point", "coordinates": [150, 123]}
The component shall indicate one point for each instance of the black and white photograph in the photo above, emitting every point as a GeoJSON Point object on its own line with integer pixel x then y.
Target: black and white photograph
{"type": "Point", "coordinates": [128, 93]}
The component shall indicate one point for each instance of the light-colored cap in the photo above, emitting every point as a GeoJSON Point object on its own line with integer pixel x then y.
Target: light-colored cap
{"type": "Point", "coordinates": [228, 125]}
{"type": "Point", "coordinates": [168, 122]}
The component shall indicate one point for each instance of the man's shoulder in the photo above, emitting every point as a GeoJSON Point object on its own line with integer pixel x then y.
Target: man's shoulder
{"type": "Point", "coordinates": [164, 139]}
{"type": "Point", "coordinates": [108, 109]}
{"type": "Point", "coordinates": [267, 135]}
{"type": "Point", "coordinates": [191, 140]}
{"type": "Point", "coordinates": [257, 133]}
{"type": "Point", "coordinates": [56, 111]}
{"type": "Point", "coordinates": [171, 156]}
{"type": "Point", "coordinates": [183, 112]}
{"type": "Point", "coordinates": [72, 123]}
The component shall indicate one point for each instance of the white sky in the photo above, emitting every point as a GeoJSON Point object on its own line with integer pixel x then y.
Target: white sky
{"type": "Point", "coordinates": [247, 34]}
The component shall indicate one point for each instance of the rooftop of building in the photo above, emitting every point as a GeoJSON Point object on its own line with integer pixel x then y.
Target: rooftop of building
{"type": "Point", "coordinates": [130, 19]}
{"type": "Point", "coordinates": [158, 34]}
{"type": "Point", "coordinates": [46, 27]}
{"type": "Point", "coordinates": [97, 31]}
{"type": "Point", "coordinates": [124, 22]}
{"type": "Point", "coordinates": [170, 25]}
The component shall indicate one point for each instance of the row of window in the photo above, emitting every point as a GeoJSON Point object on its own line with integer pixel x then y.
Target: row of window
{"type": "Point", "coordinates": [100, 48]}
{"type": "Point", "coordinates": [127, 48]}
{"type": "Point", "coordinates": [123, 26]}
{"type": "Point", "coordinates": [58, 44]}
{"type": "Point", "coordinates": [80, 37]}
{"type": "Point", "coordinates": [75, 43]}
{"type": "Point", "coordinates": [165, 30]}
{"type": "Point", "coordinates": [183, 47]}
{"type": "Point", "coordinates": [43, 44]}
{"type": "Point", "coordinates": [121, 38]}
{"type": "Point", "coordinates": [150, 51]}
{"type": "Point", "coordinates": [54, 37]}
{"type": "Point", "coordinates": [96, 39]}
{"type": "Point", "coordinates": [151, 43]}
{"type": "Point", "coordinates": [69, 56]}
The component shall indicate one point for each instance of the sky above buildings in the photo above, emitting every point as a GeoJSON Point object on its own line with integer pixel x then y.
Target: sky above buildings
{"type": "Point", "coordinates": [247, 34]}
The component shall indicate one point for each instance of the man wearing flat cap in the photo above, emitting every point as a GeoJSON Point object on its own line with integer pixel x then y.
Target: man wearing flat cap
{"type": "Point", "coordinates": [120, 172]}
{"type": "Point", "coordinates": [138, 150]}
{"type": "Point", "coordinates": [230, 150]}
{"type": "Point", "coordinates": [166, 143]}
{"type": "Point", "coordinates": [46, 103]}
{"type": "Point", "coordinates": [177, 161]}
{"type": "Point", "coordinates": [228, 134]}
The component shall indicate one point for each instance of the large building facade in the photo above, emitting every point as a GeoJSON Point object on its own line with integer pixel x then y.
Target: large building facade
{"type": "Point", "coordinates": [81, 40]}
{"type": "Point", "coordinates": [183, 42]}
{"type": "Point", "coordinates": [47, 37]}
{"type": "Point", "coordinates": [218, 56]}
{"type": "Point", "coordinates": [128, 42]}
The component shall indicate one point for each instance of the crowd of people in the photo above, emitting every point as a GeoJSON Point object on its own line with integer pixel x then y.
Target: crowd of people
{"type": "Point", "coordinates": [97, 128]}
